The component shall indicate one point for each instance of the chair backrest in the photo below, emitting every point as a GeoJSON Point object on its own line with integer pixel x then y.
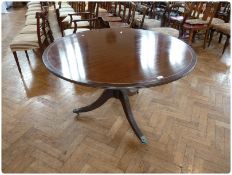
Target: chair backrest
{"type": "Point", "coordinates": [145, 11]}
{"type": "Point", "coordinates": [131, 14]}
{"type": "Point", "coordinates": [60, 3]}
{"type": "Point", "coordinates": [223, 11]}
{"type": "Point", "coordinates": [93, 8]}
{"type": "Point", "coordinates": [157, 9]}
{"type": "Point", "coordinates": [197, 8]}
{"type": "Point", "coordinates": [106, 5]}
{"type": "Point", "coordinates": [85, 16]}
{"type": "Point", "coordinates": [120, 10]}
{"type": "Point", "coordinates": [43, 29]}
{"type": "Point", "coordinates": [173, 10]}
{"type": "Point", "coordinates": [210, 11]}
{"type": "Point", "coordinates": [114, 8]}
{"type": "Point", "coordinates": [78, 6]}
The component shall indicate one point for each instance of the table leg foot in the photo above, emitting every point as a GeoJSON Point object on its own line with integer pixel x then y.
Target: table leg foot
{"type": "Point", "coordinates": [76, 111]}
{"type": "Point", "coordinates": [143, 139]}
{"type": "Point", "coordinates": [123, 97]}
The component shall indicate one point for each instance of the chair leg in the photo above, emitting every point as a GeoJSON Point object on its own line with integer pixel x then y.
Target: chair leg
{"type": "Point", "coordinates": [194, 35]}
{"type": "Point", "coordinates": [206, 37]}
{"type": "Point", "coordinates": [180, 33]}
{"type": "Point", "coordinates": [27, 55]}
{"type": "Point", "coordinates": [62, 29]}
{"type": "Point", "coordinates": [211, 36]}
{"type": "Point", "coordinates": [17, 62]}
{"type": "Point", "coordinates": [226, 43]}
{"type": "Point", "coordinates": [220, 38]}
{"type": "Point", "coordinates": [190, 37]}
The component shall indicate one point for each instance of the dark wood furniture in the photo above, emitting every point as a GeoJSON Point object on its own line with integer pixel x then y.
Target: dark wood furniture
{"type": "Point", "coordinates": [128, 17]}
{"type": "Point", "coordinates": [200, 24]}
{"type": "Point", "coordinates": [119, 60]}
{"type": "Point", "coordinates": [40, 39]}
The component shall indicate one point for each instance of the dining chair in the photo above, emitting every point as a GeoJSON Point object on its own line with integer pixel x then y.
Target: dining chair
{"type": "Point", "coordinates": [32, 29]}
{"type": "Point", "coordinates": [78, 6]}
{"type": "Point", "coordinates": [127, 18]}
{"type": "Point", "coordinates": [30, 41]}
{"type": "Point", "coordinates": [91, 7]}
{"type": "Point", "coordinates": [223, 11]}
{"type": "Point", "coordinates": [87, 21]}
{"type": "Point", "coordinates": [201, 22]}
{"type": "Point", "coordinates": [64, 8]}
{"type": "Point", "coordinates": [144, 21]}
{"type": "Point", "coordinates": [112, 13]}
{"type": "Point", "coordinates": [223, 29]}
{"type": "Point", "coordinates": [174, 14]}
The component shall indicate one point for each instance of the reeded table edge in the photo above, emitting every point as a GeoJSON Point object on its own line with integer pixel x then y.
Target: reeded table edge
{"type": "Point", "coordinates": [142, 84]}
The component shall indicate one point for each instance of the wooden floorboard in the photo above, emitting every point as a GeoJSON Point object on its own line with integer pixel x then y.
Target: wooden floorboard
{"type": "Point", "coordinates": [187, 122]}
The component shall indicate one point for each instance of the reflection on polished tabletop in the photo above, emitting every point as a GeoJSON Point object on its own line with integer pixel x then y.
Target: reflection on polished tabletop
{"type": "Point", "coordinates": [119, 60]}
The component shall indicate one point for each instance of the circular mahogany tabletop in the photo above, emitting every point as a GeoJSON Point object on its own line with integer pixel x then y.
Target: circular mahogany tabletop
{"type": "Point", "coordinates": [119, 58]}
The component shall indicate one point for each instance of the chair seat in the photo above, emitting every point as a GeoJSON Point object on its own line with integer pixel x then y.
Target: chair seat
{"type": "Point", "coordinates": [34, 9]}
{"type": "Point", "coordinates": [102, 10]}
{"type": "Point", "coordinates": [33, 5]}
{"type": "Point", "coordinates": [32, 12]}
{"type": "Point", "coordinates": [29, 29]}
{"type": "Point", "coordinates": [63, 5]}
{"type": "Point", "coordinates": [65, 13]}
{"type": "Point", "coordinates": [67, 18]}
{"type": "Point", "coordinates": [224, 28]}
{"type": "Point", "coordinates": [140, 17]}
{"type": "Point", "coordinates": [167, 31]}
{"type": "Point", "coordinates": [70, 31]}
{"type": "Point", "coordinates": [109, 18]}
{"type": "Point", "coordinates": [32, 21]}
{"type": "Point", "coordinates": [69, 9]}
{"type": "Point", "coordinates": [194, 26]}
{"type": "Point", "coordinates": [150, 23]}
{"type": "Point", "coordinates": [25, 42]}
{"type": "Point", "coordinates": [81, 24]}
{"type": "Point", "coordinates": [196, 21]}
{"type": "Point", "coordinates": [30, 17]}
{"type": "Point", "coordinates": [118, 24]}
{"type": "Point", "coordinates": [217, 21]}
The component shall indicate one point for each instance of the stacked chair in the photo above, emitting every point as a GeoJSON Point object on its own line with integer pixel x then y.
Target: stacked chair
{"type": "Point", "coordinates": [36, 33]}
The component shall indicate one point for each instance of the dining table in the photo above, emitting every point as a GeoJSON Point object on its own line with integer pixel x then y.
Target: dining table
{"type": "Point", "coordinates": [119, 60]}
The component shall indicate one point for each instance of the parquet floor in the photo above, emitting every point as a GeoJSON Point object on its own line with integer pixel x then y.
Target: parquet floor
{"type": "Point", "coordinates": [187, 122]}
